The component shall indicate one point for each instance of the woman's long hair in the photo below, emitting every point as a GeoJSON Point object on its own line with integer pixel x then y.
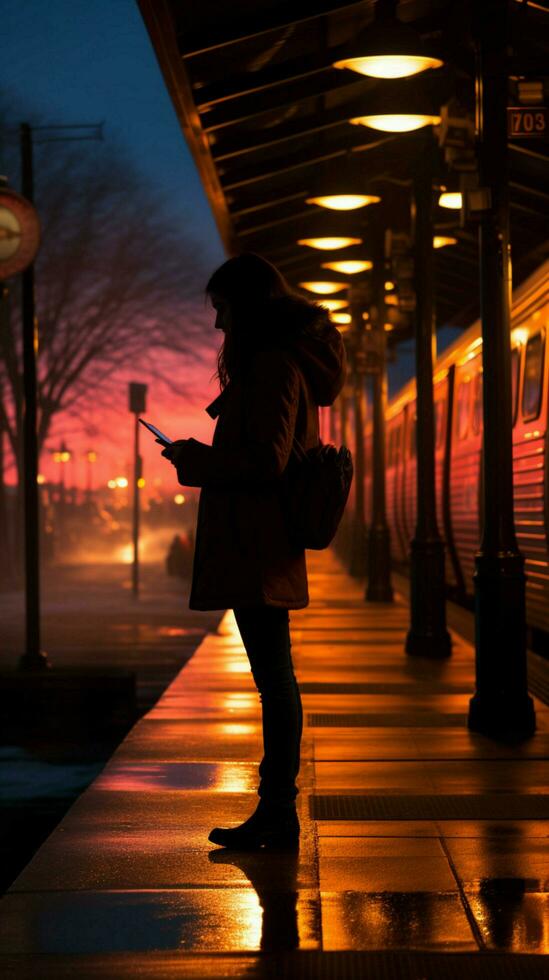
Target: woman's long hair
{"type": "Point", "coordinates": [265, 311]}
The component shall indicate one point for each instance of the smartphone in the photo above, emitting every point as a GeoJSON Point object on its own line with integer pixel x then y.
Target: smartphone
{"type": "Point", "coordinates": [165, 440]}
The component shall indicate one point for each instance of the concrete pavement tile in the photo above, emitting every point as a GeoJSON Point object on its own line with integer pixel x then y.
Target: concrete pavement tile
{"type": "Point", "coordinates": [373, 777]}
{"type": "Point", "coordinates": [479, 860]}
{"type": "Point", "coordinates": [493, 776]}
{"type": "Point", "coordinates": [364, 743]}
{"type": "Point", "coordinates": [188, 740]}
{"type": "Point", "coordinates": [511, 917]}
{"type": "Point", "coordinates": [462, 743]}
{"type": "Point", "coordinates": [143, 859]}
{"type": "Point", "coordinates": [158, 777]}
{"type": "Point", "coordinates": [383, 864]}
{"type": "Point", "coordinates": [377, 828]}
{"type": "Point", "coordinates": [516, 829]}
{"type": "Point", "coordinates": [201, 920]}
{"type": "Point", "coordinates": [395, 920]}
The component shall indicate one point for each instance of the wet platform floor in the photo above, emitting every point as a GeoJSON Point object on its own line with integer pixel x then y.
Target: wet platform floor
{"type": "Point", "coordinates": [128, 883]}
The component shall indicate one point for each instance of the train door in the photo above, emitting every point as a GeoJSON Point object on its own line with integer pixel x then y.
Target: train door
{"type": "Point", "coordinates": [530, 463]}
{"type": "Point", "coordinates": [409, 485]}
{"type": "Point", "coordinates": [465, 465]}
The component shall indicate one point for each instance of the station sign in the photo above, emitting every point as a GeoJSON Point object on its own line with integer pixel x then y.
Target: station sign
{"type": "Point", "coordinates": [528, 122]}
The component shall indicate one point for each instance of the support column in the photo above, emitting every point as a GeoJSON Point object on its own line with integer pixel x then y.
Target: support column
{"type": "Point", "coordinates": [379, 588]}
{"type": "Point", "coordinates": [427, 636]}
{"type": "Point", "coordinates": [501, 705]}
{"type": "Point", "coordinates": [359, 542]}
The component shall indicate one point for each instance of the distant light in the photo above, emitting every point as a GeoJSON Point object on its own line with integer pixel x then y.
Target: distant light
{"type": "Point", "coordinates": [141, 482]}
{"type": "Point", "coordinates": [111, 484]}
{"type": "Point", "coordinates": [40, 478]}
{"type": "Point", "coordinates": [121, 481]}
{"type": "Point", "coordinates": [389, 285]}
{"type": "Point", "coordinates": [334, 304]}
{"type": "Point", "coordinates": [341, 317]}
{"type": "Point", "coordinates": [327, 244]}
{"type": "Point", "coordinates": [349, 267]}
{"type": "Point", "coordinates": [439, 241]}
{"type": "Point", "coordinates": [389, 65]}
{"type": "Point", "coordinates": [388, 326]}
{"type": "Point", "coordinates": [519, 335]}
{"type": "Point", "coordinates": [391, 299]}
{"type": "Point", "coordinates": [324, 288]}
{"type": "Point", "coordinates": [396, 123]}
{"type": "Point", "coordinates": [344, 202]}
{"type": "Point", "coordinates": [365, 315]}
{"type": "Point", "coordinates": [451, 199]}
{"type": "Point", "coordinates": [91, 456]}
{"type": "Point", "coordinates": [179, 498]}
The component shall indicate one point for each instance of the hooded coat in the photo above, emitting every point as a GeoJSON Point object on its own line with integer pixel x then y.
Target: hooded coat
{"type": "Point", "coordinates": [243, 555]}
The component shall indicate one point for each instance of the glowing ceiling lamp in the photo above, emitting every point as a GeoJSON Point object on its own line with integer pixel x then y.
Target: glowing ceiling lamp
{"type": "Point", "coordinates": [349, 267]}
{"type": "Point", "coordinates": [343, 202]}
{"type": "Point", "coordinates": [440, 241]}
{"type": "Point", "coordinates": [396, 122]}
{"type": "Point", "coordinates": [451, 199]}
{"type": "Point", "coordinates": [329, 244]}
{"type": "Point", "coordinates": [388, 49]}
{"type": "Point", "coordinates": [334, 304]}
{"type": "Point", "coordinates": [324, 288]}
{"type": "Point", "coordinates": [342, 318]}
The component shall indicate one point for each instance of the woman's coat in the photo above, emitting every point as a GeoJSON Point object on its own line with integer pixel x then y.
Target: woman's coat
{"type": "Point", "coordinates": [243, 555]}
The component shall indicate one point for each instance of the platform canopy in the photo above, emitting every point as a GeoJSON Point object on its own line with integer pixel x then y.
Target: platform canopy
{"type": "Point", "coordinates": [267, 118]}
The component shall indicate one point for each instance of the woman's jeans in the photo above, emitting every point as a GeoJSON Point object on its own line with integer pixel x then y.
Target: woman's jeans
{"type": "Point", "coordinates": [265, 632]}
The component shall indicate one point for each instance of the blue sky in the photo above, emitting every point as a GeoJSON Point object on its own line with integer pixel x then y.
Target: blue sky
{"type": "Point", "coordinates": [78, 61]}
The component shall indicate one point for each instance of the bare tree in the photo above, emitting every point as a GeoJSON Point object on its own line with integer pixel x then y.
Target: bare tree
{"type": "Point", "coordinates": [115, 278]}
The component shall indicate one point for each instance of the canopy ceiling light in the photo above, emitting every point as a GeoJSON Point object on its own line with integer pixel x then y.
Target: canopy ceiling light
{"type": "Point", "coordinates": [388, 49]}
{"type": "Point", "coordinates": [341, 185]}
{"type": "Point", "coordinates": [396, 122]}
{"type": "Point", "coordinates": [451, 199]}
{"type": "Point", "coordinates": [349, 267]}
{"type": "Point", "coordinates": [334, 304]}
{"type": "Point", "coordinates": [329, 244]}
{"type": "Point", "coordinates": [324, 288]}
{"type": "Point", "coordinates": [439, 241]}
{"type": "Point", "coordinates": [343, 202]}
{"type": "Point", "coordinates": [342, 318]}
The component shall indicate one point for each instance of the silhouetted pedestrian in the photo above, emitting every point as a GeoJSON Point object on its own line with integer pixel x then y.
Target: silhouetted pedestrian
{"type": "Point", "coordinates": [280, 359]}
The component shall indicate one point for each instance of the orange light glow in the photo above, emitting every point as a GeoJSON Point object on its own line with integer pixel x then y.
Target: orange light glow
{"type": "Point", "coordinates": [344, 202]}
{"type": "Point", "coordinates": [40, 479]}
{"type": "Point", "coordinates": [329, 244]}
{"type": "Point", "coordinates": [451, 199]}
{"type": "Point", "coordinates": [341, 318]}
{"type": "Point", "coordinates": [334, 304]}
{"type": "Point", "coordinates": [324, 288]}
{"type": "Point", "coordinates": [440, 241]}
{"type": "Point", "coordinates": [179, 499]}
{"type": "Point", "coordinates": [349, 267]}
{"type": "Point", "coordinates": [389, 65]}
{"type": "Point", "coordinates": [396, 123]}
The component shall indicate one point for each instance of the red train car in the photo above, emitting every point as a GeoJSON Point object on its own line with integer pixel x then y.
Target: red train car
{"type": "Point", "coordinates": [458, 450]}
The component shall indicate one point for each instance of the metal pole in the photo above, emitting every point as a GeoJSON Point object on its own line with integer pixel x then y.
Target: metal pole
{"type": "Point", "coordinates": [359, 542]}
{"type": "Point", "coordinates": [137, 469]}
{"type": "Point", "coordinates": [379, 588]}
{"type": "Point", "coordinates": [427, 636]}
{"type": "Point", "coordinates": [501, 705]}
{"type": "Point", "coordinates": [33, 657]}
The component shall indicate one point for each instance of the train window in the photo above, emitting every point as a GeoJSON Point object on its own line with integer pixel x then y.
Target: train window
{"type": "Point", "coordinates": [515, 368]}
{"type": "Point", "coordinates": [476, 420]}
{"type": "Point", "coordinates": [533, 378]}
{"type": "Point", "coordinates": [463, 408]}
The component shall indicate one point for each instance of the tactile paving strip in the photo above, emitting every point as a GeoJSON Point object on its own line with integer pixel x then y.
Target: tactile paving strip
{"type": "Point", "coordinates": [462, 807]}
{"type": "Point", "coordinates": [427, 719]}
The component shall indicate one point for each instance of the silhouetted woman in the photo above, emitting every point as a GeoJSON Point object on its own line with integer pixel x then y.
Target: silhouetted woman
{"type": "Point", "coordinates": [280, 359]}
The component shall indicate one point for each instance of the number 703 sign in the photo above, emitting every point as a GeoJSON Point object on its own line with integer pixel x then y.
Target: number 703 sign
{"type": "Point", "coordinates": [528, 121]}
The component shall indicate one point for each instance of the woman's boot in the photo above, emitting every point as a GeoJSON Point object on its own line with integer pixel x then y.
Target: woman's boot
{"type": "Point", "coordinates": [271, 825]}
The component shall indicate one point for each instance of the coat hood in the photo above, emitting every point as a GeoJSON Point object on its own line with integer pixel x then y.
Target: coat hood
{"type": "Point", "coordinates": [305, 330]}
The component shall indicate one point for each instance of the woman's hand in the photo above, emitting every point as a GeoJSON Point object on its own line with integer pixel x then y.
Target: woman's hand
{"type": "Point", "coordinates": [173, 451]}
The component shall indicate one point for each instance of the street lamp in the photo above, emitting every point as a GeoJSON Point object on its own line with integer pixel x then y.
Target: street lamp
{"type": "Point", "coordinates": [329, 244]}
{"type": "Point", "coordinates": [349, 267]}
{"type": "Point", "coordinates": [396, 122]}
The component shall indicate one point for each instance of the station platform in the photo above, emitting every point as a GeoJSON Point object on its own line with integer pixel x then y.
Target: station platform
{"type": "Point", "coordinates": [424, 847]}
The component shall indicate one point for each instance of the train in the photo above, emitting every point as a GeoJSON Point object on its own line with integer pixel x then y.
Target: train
{"type": "Point", "coordinates": [457, 393]}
